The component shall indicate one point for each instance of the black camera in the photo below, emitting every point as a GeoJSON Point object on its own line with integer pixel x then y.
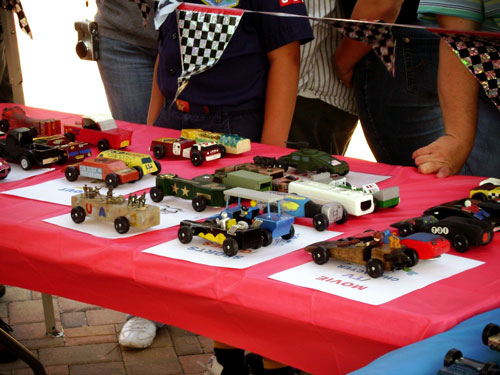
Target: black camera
{"type": "Point", "coordinates": [87, 47]}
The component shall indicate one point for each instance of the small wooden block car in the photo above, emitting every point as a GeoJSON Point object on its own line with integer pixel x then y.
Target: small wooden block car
{"type": "Point", "coordinates": [487, 189]}
{"type": "Point", "coordinates": [233, 143]}
{"type": "Point", "coordinates": [125, 213]}
{"type": "Point", "coordinates": [71, 152]}
{"type": "Point", "coordinates": [456, 364]}
{"type": "Point", "coordinates": [15, 117]}
{"type": "Point", "coordinates": [491, 336]}
{"type": "Point", "coordinates": [143, 163]}
{"type": "Point", "coordinates": [187, 148]}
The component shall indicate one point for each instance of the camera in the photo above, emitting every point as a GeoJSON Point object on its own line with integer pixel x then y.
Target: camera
{"type": "Point", "coordinates": [87, 47]}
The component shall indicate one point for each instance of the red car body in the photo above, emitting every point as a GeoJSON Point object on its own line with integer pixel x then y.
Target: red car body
{"type": "Point", "coordinates": [427, 245]}
{"type": "Point", "coordinates": [15, 117]}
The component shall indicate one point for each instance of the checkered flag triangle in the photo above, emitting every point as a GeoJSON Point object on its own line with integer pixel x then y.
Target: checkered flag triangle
{"type": "Point", "coordinates": [144, 8]}
{"type": "Point", "coordinates": [378, 35]}
{"type": "Point", "coordinates": [480, 54]}
{"type": "Point", "coordinates": [15, 6]}
{"type": "Point", "coordinates": [204, 33]}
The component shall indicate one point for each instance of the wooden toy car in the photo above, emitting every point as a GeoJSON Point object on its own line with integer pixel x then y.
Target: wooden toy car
{"type": "Point", "coordinates": [143, 163]}
{"type": "Point", "coordinates": [491, 336]}
{"type": "Point", "coordinates": [309, 159]}
{"type": "Point", "coordinates": [4, 169]}
{"type": "Point", "coordinates": [113, 172]}
{"type": "Point", "coordinates": [487, 189]}
{"type": "Point", "coordinates": [246, 179]}
{"type": "Point", "coordinates": [456, 364]}
{"type": "Point", "coordinates": [372, 252]}
{"type": "Point", "coordinates": [15, 117]}
{"type": "Point", "coordinates": [70, 151]}
{"type": "Point", "coordinates": [99, 130]}
{"type": "Point", "coordinates": [233, 143]}
{"type": "Point", "coordinates": [187, 148]}
{"type": "Point", "coordinates": [274, 172]}
{"type": "Point", "coordinates": [125, 213]}
{"type": "Point", "coordinates": [18, 147]}
{"type": "Point", "coordinates": [202, 191]}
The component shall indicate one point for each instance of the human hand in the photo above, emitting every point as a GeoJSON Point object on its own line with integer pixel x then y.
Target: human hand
{"type": "Point", "coordinates": [445, 156]}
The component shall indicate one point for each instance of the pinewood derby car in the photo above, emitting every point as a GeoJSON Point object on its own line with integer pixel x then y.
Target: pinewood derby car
{"type": "Point", "coordinates": [487, 189]}
{"type": "Point", "coordinates": [187, 148]}
{"type": "Point", "coordinates": [143, 163]}
{"type": "Point", "coordinates": [125, 213]}
{"type": "Point", "coordinates": [99, 130]}
{"type": "Point", "coordinates": [491, 336]}
{"type": "Point", "coordinates": [369, 251]}
{"type": "Point", "coordinates": [71, 152]}
{"type": "Point", "coordinates": [112, 171]}
{"type": "Point", "coordinates": [201, 190]}
{"type": "Point", "coordinates": [15, 117]}
{"type": "Point", "coordinates": [233, 143]}
{"type": "Point", "coordinates": [456, 364]}
{"type": "Point", "coordinates": [4, 169]}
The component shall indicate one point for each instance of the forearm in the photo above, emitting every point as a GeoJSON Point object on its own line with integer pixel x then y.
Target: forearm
{"type": "Point", "coordinates": [156, 101]}
{"type": "Point", "coordinates": [281, 94]}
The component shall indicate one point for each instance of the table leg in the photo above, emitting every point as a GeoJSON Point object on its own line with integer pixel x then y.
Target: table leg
{"type": "Point", "coordinates": [50, 319]}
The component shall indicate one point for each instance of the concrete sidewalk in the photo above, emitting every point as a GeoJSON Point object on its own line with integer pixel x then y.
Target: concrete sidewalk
{"type": "Point", "coordinates": [90, 342]}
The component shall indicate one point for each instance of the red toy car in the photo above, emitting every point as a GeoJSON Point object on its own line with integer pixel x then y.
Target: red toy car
{"type": "Point", "coordinates": [114, 172]}
{"type": "Point", "coordinates": [72, 152]}
{"type": "Point", "coordinates": [187, 148]}
{"type": "Point", "coordinates": [15, 117]}
{"type": "Point", "coordinates": [4, 169]}
{"type": "Point", "coordinates": [100, 130]}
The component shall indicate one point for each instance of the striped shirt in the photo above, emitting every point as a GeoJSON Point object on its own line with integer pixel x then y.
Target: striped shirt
{"type": "Point", "coordinates": [317, 77]}
{"type": "Point", "coordinates": [485, 12]}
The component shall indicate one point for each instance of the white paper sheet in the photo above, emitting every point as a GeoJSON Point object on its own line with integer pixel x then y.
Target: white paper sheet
{"type": "Point", "coordinates": [350, 280]}
{"type": "Point", "coordinates": [359, 179]}
{"type": "Point", "coordinates": [211, 254]}
{"type": "Point", "coordinates": [17, 173]}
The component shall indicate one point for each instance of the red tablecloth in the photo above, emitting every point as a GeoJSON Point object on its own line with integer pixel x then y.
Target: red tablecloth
{"type": "Point", "coordinates": [312, 330]}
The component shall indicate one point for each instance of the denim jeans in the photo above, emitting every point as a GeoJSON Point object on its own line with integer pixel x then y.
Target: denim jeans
{"type": "Point", "coordinates": [246, 120]}
{"type": "Point", "coordinates": [400, 114]}
{"type": "Point", "coordinates": [127, 74]}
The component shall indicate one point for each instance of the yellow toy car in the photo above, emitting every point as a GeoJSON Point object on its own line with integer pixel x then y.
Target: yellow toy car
{"type": "Point", "coordinates": [143, 163]}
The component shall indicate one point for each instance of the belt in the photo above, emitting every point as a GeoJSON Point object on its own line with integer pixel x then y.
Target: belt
{"type": "Point", "coordinates": [190, 107]}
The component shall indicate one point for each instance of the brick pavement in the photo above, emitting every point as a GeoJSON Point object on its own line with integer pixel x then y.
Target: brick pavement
{"type": "Point", "coordinates": [90, 342]}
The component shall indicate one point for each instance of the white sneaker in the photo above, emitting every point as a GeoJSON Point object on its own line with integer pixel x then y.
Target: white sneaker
{"type": "Point", "coordinates": [213, 367]}
{"type": "Point", "coordinates": [137, 333]}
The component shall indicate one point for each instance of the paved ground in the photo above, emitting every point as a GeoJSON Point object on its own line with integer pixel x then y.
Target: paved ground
{"type": "Point", "coordinates": [89, 345]}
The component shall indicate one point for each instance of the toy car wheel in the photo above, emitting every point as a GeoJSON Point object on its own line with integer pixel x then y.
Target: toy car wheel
{"type": "Point", "coordinates": [413, 255]}
{"type": "Point", "coordinates": [479, 196]}
{"type": "Point", "coordinates": [490, 367]}
{"type": "Point", "coordinates": [185, 235]}
{"type": "Point", "coordinates": [63, 158]}
{"type": "Point", "coordinates": [290, 235]}
{"type": "Point", "coordinates": [452, 356]}
{"type": "Point", "coordinates": [222, 150]}
{"type": "Point", "coordinates": [111, 180]}
{"type": "Point", "coordinates": [267, 237]}
{"type": "Point", "coordinates": [33, 131]}
{"type": "Point", "coordinates": [141, 173]}
{"type": "Point", "coordinates": [344, 218]}
{"type": "Point", "coordinates": [460, 243]}
{"type": "Point", "coordinates": [320, 255]}
{"type": "Point", "coordinates": [491, 329]}
{"type": "Point", "coordinates": [230, 247]}
{"type": "Point", "coordinates": [320, 222]}
{"type": "Point", "coordinates": [122, 224]}
{"type": "Point", "coordinates": [322, 170]}
{"type": "Point", "coordinates": [78, 214]}
{"type": "Point", "coordinates": [406, 229]}
{"type": "Point", "coordinates": [374, 268]}
{"type": "Point", "coordinates": [196, 158]}
{"type": "Point", "coordinates": [159, 151]}
{"type": "Point", "coordinates": [70, 136]}
{"type": "Point", "coordinates": [199, 203]}
{"type": "Point", "coordinates": [158, 167]}
{"type": "Point", "coordinates": [103, 145]}
{"type": "Point", "coordinates": [4, 126]}
{"type": "Point", "coordinates": [71, 173]}
{"type": "Point", "coordinates": [156, 194]}
{"type": "Point", "coordinates": [282, 164]}
{"type": "Point", "coordinates": [26, 162]}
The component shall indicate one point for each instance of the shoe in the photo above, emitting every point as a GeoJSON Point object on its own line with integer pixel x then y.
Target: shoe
{"type": "Point", "coordinates": [213, 367]}
{"type": "Point", "coordinates": [137, 333]}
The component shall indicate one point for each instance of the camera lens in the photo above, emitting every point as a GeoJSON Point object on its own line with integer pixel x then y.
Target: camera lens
{"type": "Point", "coordinates": [81, 49]}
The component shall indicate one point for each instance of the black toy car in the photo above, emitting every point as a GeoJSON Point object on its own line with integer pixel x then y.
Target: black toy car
{"type": "Point", "coordinates": [456, 364]}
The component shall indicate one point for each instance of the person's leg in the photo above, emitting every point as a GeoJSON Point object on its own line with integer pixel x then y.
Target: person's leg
{"type": "Point", "coordinates": [6, 95]}
{"type": "Point", "coordinates": [402, 113]}
{"type": "Point", "coordinates": [227, 360]}
{"type": "Point", "coordinates": [322, 126]}
{"type": "Point", "coordinates": [127, 74]}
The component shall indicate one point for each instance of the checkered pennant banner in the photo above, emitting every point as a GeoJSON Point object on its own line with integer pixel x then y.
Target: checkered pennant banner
{"type": "Point", "coordinates": [204, 34]}
{"type": "Point", "coordinates": [16, 6]}
{"type": "Point", "coordinates": [481, 56]}
{"type": "Point", "coordinates": [144, 8]}
{"type": "Point", "coordinates": [378, 35]}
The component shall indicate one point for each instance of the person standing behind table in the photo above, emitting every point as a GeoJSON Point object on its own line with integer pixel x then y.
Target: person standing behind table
{"type": "Point", "coordinates": [471, 119]}
{"type": "Point", "coordinates": [325, 111]}
{"type": "Point", "coordinates": [127, 55]}
{"type": "Point", "coordinates": [251, 90]}
{"type": "Point", "coordinates": [6, 94]}
{"type": "Point", "coordinates": [400, 113]}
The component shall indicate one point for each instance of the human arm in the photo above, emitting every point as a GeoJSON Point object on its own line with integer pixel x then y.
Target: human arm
{"type": "Point", "coordinates": [157, 99]}
{"type": "Point", "coordinates": [458, 92]}
{"type": "Point", "coordinates": [350, 51]}
{"type": "Point", "coordinates": [281, 93]}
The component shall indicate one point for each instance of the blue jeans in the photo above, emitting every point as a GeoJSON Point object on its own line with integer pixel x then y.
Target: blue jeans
{"type": "Point", "coordinates": [127, 74]}
{"type": "Point", "coordinates": [400, 114]}
{"type": "Point", "coordinates": [246, 120]}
